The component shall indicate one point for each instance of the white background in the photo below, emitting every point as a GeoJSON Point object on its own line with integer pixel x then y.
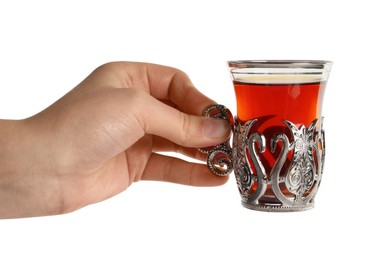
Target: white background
{"type": "Point", "coordinates": [47, 48]}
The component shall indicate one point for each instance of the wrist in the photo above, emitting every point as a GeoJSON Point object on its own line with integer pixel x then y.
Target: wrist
{"type": "Point", "coordinates": [25, 189]}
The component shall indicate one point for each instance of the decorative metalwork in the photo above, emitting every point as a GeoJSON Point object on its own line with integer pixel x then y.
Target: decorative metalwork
{"type": "Point", "coordinates": [293, 189]}
{"type": "Point", "coordinates": [219, 159]}
{"type": "Point", "coordinates": [245, 175]}
{"type": "Point", "coordinates": [291, 183]}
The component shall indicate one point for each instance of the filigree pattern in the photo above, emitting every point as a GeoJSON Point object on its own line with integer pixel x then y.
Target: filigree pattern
{"type": "Point", "coordinates": [244, 176]}
{"type": "Point", "coordinates": [289, 189]}
{"type": "Point", "coordinates": [248, 146]}
{"type": "Point", "coordinates": [302, 177]}
{"type": "Point", "coordinates": [219, 159]}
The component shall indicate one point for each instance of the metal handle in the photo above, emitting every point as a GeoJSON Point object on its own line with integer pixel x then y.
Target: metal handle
{"type": "Point", "coordinates": [219, 159]}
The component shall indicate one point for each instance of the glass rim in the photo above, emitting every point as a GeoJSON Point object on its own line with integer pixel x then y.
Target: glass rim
{"type": "Point", "coordinates": [282, 64]}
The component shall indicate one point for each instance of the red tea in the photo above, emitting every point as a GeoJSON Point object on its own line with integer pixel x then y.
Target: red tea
{"type": "Point", "coordinates": [298, 103]}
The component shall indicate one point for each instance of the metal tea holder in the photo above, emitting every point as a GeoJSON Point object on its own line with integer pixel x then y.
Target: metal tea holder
{"type": "Point", "coordinates": [271, 190]}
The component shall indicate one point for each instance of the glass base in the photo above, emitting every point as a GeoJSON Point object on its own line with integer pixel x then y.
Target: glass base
{"type": "Point", "coordinates": [277, 207]}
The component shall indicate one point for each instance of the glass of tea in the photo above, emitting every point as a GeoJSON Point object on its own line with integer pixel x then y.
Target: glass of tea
{"type": "Point", "coordinates": [278, 147]}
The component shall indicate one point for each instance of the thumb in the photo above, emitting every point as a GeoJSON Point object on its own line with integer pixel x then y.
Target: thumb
{"type": "Point", "coordinates": [181, 128]}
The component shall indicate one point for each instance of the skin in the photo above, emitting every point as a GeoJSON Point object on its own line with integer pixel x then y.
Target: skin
{"type": "Point", "coordinates": [104, 135]}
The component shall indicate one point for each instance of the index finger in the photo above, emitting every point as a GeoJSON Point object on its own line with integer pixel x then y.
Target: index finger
{"type": "Point", "coordinates": [167, 83]}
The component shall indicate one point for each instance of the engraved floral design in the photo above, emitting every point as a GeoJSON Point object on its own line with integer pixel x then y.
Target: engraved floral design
{"type": "Point", "coordinates": [301, 174]}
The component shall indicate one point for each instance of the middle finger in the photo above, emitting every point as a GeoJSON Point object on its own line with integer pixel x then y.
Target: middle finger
{"type": "Point", "coordinates": [163, 145]}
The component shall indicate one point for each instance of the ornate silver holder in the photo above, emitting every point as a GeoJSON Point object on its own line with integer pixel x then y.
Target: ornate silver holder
{"type": "Point", "coordinates": [290, 183]}
{"type": "Point", "coordinates": [219, 159]}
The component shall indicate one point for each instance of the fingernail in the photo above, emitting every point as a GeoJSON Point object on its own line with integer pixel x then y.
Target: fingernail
{"type": "Point", "coordinates": [216, 128]}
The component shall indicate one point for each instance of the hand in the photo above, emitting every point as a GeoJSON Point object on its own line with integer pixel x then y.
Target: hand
{"type": "Point", "coordinates": [104, 135]}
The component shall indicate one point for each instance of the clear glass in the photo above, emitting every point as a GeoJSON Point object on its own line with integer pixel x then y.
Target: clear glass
{"type": "Point", "coordinates": [279, 146]}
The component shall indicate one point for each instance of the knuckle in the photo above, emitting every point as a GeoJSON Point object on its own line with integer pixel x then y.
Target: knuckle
{"type": "Point", "coordinates": [167, 170]}
{"type": "Point", "coordinates": [135, 100]}
{"type": "Point", "coordinates": [112, 65]}
{"type": "Point", "coordinates": [188, 129]}
{"type": "Point", "coordinates": [106, 67]}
